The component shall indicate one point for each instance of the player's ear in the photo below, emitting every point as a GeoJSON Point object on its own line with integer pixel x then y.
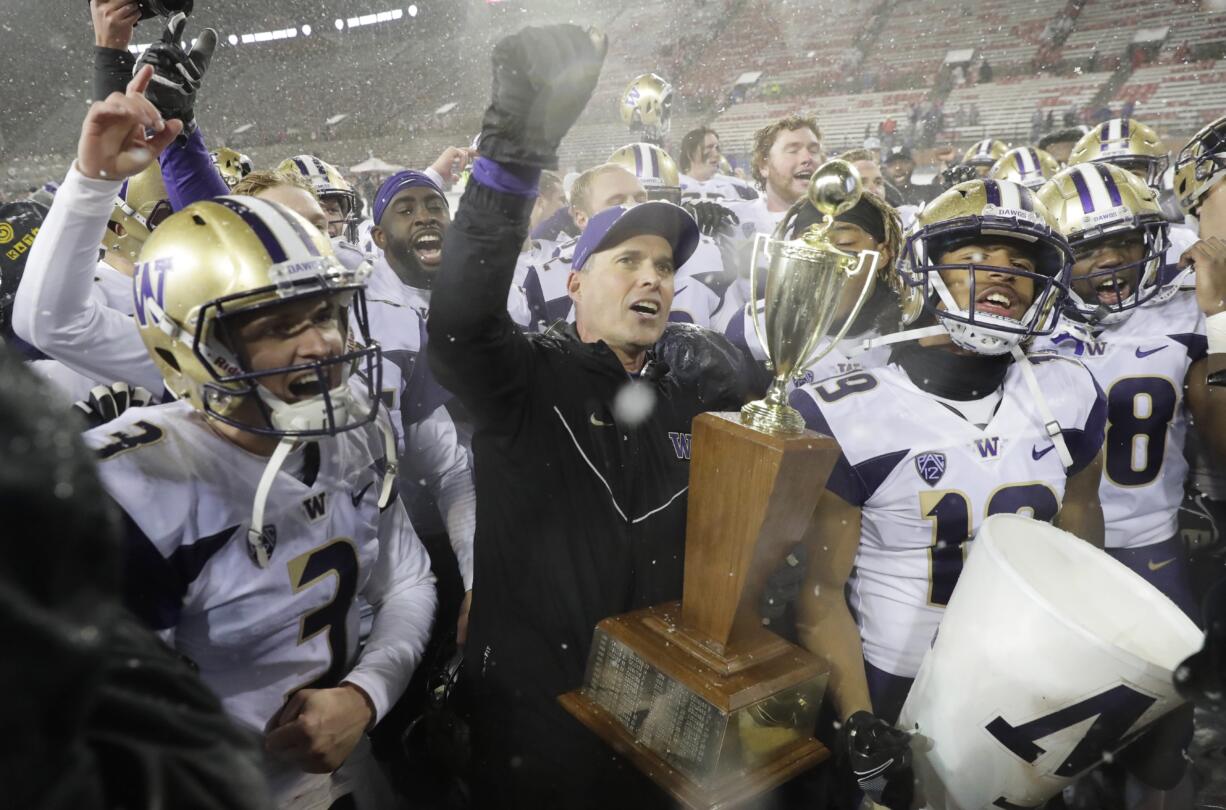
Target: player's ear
{"type": "Point", "coordinates": [379, 236]}
{"type": "Point", "coordinates": [574, 285]}
{"type": "Point", "coordinates": [579, 216]}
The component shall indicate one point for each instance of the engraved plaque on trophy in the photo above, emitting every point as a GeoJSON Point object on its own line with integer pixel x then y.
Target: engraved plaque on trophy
{"type": "Point", "coordinates": [698, 694]}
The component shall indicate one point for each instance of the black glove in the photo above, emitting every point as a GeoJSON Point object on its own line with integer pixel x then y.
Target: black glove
{"type": "Point", "coordinates": [178, 75]}
{"type": "Point", "coordinates": [879, 757]}
{"type": "Point", "coordinates": [783, 586]}
{"type": "Point", "coordinates": [543, 78]}
{"type": "Point", "coordinates": [711, 216]}
{"type": "Point", "coordinates": [955, 175]}
{"type": "Point", "coordinates": [107, 402]}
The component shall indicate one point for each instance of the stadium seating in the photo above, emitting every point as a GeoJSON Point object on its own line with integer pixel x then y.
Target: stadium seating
{"type": "Point", "coordinates": [347, 95]}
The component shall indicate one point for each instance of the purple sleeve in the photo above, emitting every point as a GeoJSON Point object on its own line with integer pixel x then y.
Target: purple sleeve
{"type": "Point", "coordinates": [189, 173]}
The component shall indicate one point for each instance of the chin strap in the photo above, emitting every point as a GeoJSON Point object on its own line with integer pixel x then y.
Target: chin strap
{"type": "Point", "coordinates": [897, 337]}
{"type": "Point", "coordinates": [256, 546]}
{"type": "Point", "coordinates": [1049, 420]}
{"type": "Point", "coordinates": [392, 466]}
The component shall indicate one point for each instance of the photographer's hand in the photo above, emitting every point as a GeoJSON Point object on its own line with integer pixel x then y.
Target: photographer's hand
{"type": "Point", "coordinates": [114, 22]}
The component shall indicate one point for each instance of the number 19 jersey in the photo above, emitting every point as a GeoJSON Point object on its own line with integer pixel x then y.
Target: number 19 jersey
{"type": "Point", "coordinates": [925, 478]}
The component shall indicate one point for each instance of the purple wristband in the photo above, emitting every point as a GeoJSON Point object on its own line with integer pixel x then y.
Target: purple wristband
{"type": "Point", "coordinates": [518, 180]}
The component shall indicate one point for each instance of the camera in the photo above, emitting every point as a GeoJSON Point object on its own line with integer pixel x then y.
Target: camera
{"type": "Point", "coordinates": [163, 8]}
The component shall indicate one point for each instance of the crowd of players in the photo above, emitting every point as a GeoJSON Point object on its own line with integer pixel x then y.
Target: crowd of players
{"type": "Point", "coordinates": [277, 449]}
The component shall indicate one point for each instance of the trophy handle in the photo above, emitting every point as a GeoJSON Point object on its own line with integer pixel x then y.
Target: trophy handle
{"type": "Point", "coordinates": [760, 246]}
{"type": "Point", "coordinates": [855, 310]}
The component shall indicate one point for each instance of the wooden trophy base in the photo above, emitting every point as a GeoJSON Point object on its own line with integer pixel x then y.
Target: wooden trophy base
{"type": "Point", "coordinates": [713, 729]}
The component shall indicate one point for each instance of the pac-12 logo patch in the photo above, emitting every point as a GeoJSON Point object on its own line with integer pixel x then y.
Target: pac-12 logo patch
{"type": "Point", "coordinates": [930, 466]}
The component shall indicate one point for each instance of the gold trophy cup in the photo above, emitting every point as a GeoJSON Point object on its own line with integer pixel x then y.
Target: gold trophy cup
{"type": "Point", "coordinates": [706, 701]}
{"type": "Point", "coordinates": [805, 278]}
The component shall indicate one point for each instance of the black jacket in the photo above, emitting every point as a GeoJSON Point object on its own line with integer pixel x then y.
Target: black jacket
{"type": "Point", "coordinates": [580, 515]}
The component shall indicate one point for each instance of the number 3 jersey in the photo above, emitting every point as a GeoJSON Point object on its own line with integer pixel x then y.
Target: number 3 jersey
{"type": "Point", "coordinates": [1142, 363]}
{"type": "Point", "coordinates": [259, 634]}
{"type": "Point", "coordinates": [925, 478]}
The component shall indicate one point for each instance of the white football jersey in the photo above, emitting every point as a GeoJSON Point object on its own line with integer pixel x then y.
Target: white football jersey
{"type": "Point", "coordinates": [719, 188]}
{"type": "Point", "coordinates": [1141, 364]}
{"type": "Point", "coordinates": [925, 478]}
{"type": "Point", "coordinates": [256, 634]}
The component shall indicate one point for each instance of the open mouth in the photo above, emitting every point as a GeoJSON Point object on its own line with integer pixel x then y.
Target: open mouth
{"type": "Point", "coordinates": [1112, 291]}
{"type": "Point", "coordinates": [428, 245]}
{"type": "Point", "coordinates": [1000, 301]}
{"type": "Point", "coordinates": [647, 310]}
{"type": "Point", "coordinates": [307, 386]}
{"type": "Point", "coordinates": [803, 175]}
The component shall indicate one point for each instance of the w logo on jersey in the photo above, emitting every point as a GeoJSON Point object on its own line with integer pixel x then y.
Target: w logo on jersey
{"type": "Point", "coordinates": [316, 506]}
{"type": "Point", "coordinates": [989, 447]}
{"type": "Point", "coordinates": [1093, 348]}
{"type": "Point", "coordinates": [931, 467]}
{"type": "Point", "coordinates": [681, 443]}
{"type": "Point", "coordinates": [149, 284]}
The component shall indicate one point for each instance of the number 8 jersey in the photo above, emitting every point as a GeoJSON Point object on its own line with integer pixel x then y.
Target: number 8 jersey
{"type": "Point", "coordinates": [925, 478]}
{"type": "Point", "coordinates": [1142, 363]}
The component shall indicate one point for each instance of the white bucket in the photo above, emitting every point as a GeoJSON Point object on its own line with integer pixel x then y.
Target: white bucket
{"type": "Point", "coordinates": [1050, 655]}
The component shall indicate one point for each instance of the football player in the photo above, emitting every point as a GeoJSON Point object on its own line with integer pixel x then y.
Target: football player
{"type": "Point", "coordinates": [260, 505]}
{"type": "Point", "coordinates": [336, 195]}
{"type": "Point", "coordinates": [982, 155]}
{"type": "Point", "coordinates": [1145, 344]}
{"type": "Point", "coordinates": [1137, 149]}
{"type": "Point", "coordinates": [785, 155]}
{"type": "Point", "coordinates": [978, 429]}
{"type": "Point", "coordinates": [702, 175]}
{"type": "Point", "coordinates": [57, 309]}
{"type": "Point", "coordinates": [646, 107]}
{"type": "Point", "coordinates": [1199, 170]}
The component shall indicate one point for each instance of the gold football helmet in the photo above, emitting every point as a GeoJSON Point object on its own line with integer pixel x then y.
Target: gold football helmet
{"type": "Point", "coordinates": [231, 165]}
{"type": "Point", "coordinates": [1026, 166]}
{"type": "Point", "coordinates": [647, 106]}
{"type": "Point", "coordinates": [1127, 143]}
{"type": "Point", "coordinates": [1200, 166]}
{"type": "Point", "coordinates": [985, 153]}
{"type": "Point", "coordinates": [229, 256]}
{"type": "Point", "coordinates": [329, 184]}
{"type": "Point", "coordinates": [985, 211]}
{"type": "Point", "coordinates": [1092, 202]}
{"type": "Point", "coordinates": [141, 206]}
{"type": "Point", "coordinates": [654, 169]}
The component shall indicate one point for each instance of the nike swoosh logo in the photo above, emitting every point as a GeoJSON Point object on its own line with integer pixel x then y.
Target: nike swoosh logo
{"type": "Point", "coordinates": [1037, 454]}
{"type": "Point", "coordinates": [1143, 353]}
{"type": "Point", "coordinates": [598, 423]}
{"type": "Point", "coordinates": [357, 496]}
{"type": "Point", "coordinates": [1153, 566]}
{"type": "Point", "coordinates": [678, 292]}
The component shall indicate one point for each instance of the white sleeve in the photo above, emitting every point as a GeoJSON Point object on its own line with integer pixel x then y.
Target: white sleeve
{"type": "Point", "coordinates": [401, 591]}
{"type": "Point", "coordinates": [435, 177]}
{"type": "Point", "coordinates": [434, 456]}
{"type": "Point", "coordinates": [54, 310]}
